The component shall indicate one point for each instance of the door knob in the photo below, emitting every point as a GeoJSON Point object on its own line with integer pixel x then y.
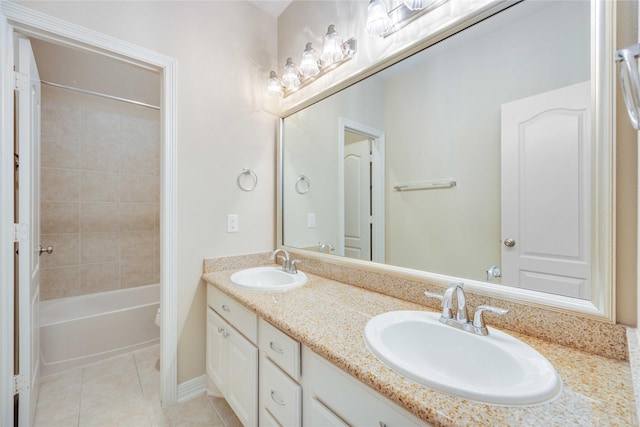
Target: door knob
{"type": "Point", "coordinates": [509, 243]}
{"type": "Point", "coordinates": [48, 249]}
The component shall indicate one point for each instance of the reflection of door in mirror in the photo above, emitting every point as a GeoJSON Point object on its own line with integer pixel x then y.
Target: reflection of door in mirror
{"type": "Point", "coordinates": [357, 196]}
{"type": "Point", "coordinates": [546, 191]}
{"type": "Point", "coordinates": [362, 186]}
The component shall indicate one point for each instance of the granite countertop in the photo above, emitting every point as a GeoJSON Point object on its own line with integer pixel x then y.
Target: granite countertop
{"type": "Point", "coordinates": [329, 317]}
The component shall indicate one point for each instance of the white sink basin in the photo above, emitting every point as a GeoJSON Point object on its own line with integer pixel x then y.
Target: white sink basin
{"type": "Point", "coordinates": [268, 279]}
{"type": "Point", "coordinates": [497, 368]}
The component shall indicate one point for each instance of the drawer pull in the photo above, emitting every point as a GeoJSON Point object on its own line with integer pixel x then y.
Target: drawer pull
{"type": "Point", "coordinates": [383, 424]}
{"type": "Point", "coordinates": [225, 307]}
{"type": "Point", "coordinates": [220, 330]}
{"type": "Point", "coordinates": [275, 347]}
{"type": "Point", "coordinates": [275, 398]}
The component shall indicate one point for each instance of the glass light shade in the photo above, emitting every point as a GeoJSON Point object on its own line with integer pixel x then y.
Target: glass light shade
{"type": "Point", "coordinates": [332, 50]}
{"type": "Point", "coordinates": [274, 87]}
{"type": "Point", "coordinates": [418, 4]}
{"type": "Point", "coordinates": [309, 64]}
{"type": "Point", "coordinates": [378, 21]}
{"type": "Point", "coordinates": [290, 78]}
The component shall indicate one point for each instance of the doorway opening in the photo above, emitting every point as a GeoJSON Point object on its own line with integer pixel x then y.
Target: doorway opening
{"type": "Point", "coordinates": [18, 22]}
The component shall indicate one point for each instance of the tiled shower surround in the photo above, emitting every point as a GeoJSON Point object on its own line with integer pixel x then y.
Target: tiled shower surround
{"type": "Point", "coordinates": [100, 193]}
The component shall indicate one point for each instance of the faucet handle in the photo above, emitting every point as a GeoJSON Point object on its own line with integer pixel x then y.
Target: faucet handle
{"type": "Point", "coordinates": [286, 264]}
{"type": "Point", "coordinates": [292, 266]}
{"type": "Point", "coordinates": [433, 295]}
{"type": "Point", "coordinates": [446, 310]}
{"type": "Point", "coordinates": [478, 318]}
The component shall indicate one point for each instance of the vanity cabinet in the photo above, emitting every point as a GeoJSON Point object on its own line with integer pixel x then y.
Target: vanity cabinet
{"type": "Point", "coordinates": [293, 386]}
{"type": "Point", "coordinates": [232, 358]}
{"type": "Point", "coordinates": [334, 398]}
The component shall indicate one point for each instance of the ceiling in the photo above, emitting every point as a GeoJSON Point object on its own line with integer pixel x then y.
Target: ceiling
{"type": "Point", "coordinates": [272, 7]}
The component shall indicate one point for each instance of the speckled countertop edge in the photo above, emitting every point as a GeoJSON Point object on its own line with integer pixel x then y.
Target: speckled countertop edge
{"type": "Point", "coordinates": [329, 317]}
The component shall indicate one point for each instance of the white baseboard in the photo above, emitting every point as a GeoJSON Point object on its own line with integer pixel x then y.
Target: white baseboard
{"type": "Point", "coordinates": [192, 388]}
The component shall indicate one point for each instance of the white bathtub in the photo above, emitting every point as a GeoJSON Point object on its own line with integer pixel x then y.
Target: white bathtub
{"type": "Point", "coordinates": [79, 330]}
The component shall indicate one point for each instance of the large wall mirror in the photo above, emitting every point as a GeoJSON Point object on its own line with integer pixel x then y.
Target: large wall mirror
{"type": "Point", "coordinates": [484, 158]}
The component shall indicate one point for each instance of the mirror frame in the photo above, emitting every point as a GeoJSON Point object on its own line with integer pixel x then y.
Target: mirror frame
{"type": "Point", "coordinates": [601, 305]}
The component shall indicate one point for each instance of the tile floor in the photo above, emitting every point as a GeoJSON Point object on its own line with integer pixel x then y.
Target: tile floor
{"type": "Point", "coordinates": [122, 391]}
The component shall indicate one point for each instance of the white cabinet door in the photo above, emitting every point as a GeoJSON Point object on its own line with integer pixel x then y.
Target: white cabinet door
{"type": "Point", "coordinates": [216, 350]}
{"type": "Point", "coordinates": [242, 381]}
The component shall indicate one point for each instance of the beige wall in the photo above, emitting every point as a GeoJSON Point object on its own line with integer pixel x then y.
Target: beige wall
{"type": "Point", "coordinates": [100, 167]}
{"type": "Point", "coordinates": [224, 51]}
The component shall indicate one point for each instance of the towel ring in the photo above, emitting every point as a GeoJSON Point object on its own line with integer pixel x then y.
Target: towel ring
{"type": "Point", "coordinates": [253, 176]}
{"type": "Point", "coordinates": [302, 184]}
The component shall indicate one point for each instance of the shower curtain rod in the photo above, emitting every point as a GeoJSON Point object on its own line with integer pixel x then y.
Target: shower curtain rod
{"type": "Point", "coordinates": [103, 95]}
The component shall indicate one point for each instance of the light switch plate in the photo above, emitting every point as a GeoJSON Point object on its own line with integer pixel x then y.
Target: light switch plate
{"type": "Point", "coordinates": [311, 220]}
{"type": "Point", "coordinates": [232, 223]}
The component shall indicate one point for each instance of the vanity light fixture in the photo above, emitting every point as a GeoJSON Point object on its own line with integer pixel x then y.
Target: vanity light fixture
{"type": "Point", "coordinates": [309, 64]}
{"type": "Point", "coordinates": [332, 50]}
{"type": "Point", "coordinates": [274, 86]}
{"type": "Point", "coordinates": [334, 54]}
{"type": "Point", "coordinates": [290, 79]}
{"type": "Point", "coordinates": [380, 23]}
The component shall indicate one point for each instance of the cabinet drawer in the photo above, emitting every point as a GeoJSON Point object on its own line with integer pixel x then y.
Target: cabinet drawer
{"type": "Point", "coordinates": [242, 319]}
{"type": "Point", "coordinates": [283, 350]}
{"type": "Point", "coordinates": [279, 394]}
{"type": "Point", "coordinates": [320, 415]}
{"type": "Point", "coordinates": [347, 398]}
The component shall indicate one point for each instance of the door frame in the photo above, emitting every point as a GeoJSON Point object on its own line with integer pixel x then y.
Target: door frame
{"type": "Point", "coordinates": [378, 189]}
{"type": "Point", "coordinates": [33, 24]}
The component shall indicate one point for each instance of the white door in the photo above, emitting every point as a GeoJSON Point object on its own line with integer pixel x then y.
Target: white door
{"type": "Point", "coordinates": [28, 136]}
{"type": "Point", "coordinates": [546, 192]}
{"type": "Point", "coordinates": [357, 200]}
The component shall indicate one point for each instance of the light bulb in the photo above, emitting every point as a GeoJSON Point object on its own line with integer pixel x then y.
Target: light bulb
{"type": "Point", "coordinates": [309, 64]}
{"type": "Point", "coordinates": [332, 50]}
{"type": "Point", "coordinates": [274, 87]}
{"type": "Point", "coordinates": [290, 78]}
{"type": "Point", "coordinates": [378, 21]}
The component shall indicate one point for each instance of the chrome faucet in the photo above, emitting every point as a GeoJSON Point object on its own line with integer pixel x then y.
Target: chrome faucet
{"type": "Point", "coordinates": [288, 266]}
{"type": "Point", "coordinates": [461, 320]}
{"type": "Point", "coordinates": [324, 246]}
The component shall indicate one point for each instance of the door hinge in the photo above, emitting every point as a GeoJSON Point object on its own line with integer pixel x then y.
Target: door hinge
{"type": "Point", "coordinates": [20, 233]}
{"type": "Point", "coordinates": [20, 384]}
{"type": "Point", "coordinates": [21, 81]}
{"type": "Point", "coordinates": [371, 219]}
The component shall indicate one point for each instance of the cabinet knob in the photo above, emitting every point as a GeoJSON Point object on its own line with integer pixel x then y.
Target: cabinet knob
{"type": "Point", "coordinates": [225, 307]}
